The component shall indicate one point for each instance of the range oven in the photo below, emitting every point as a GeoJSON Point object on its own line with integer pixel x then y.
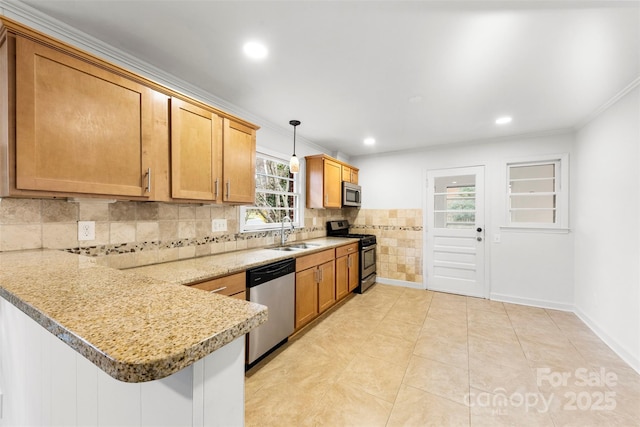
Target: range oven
{"type": "Point", "coordinates": [367, 246]}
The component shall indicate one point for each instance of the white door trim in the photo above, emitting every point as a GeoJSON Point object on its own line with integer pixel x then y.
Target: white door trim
{"type": "Point", "coordinates": [427, 217]}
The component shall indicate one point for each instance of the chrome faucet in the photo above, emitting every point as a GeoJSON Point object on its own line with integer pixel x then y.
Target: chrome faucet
{"type": "Point", "coordinates": [284, 236]}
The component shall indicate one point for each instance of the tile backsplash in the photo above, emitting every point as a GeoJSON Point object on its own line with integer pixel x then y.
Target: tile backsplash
{"type": "Point", "coordinates": [130, 234]}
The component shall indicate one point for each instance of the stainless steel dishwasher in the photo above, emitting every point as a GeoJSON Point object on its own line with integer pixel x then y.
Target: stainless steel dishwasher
{"type": "Point", "coordinates": [272, 285]}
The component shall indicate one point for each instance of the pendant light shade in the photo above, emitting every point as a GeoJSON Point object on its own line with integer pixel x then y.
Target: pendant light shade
{"type": "Point", "coordinates": [294, 164]}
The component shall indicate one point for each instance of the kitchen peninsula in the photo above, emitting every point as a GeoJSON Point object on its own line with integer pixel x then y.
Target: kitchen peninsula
{"type": "Point", "coordinates": [141, 348]}
{"type": "Point", "coordinates": [147, 352]}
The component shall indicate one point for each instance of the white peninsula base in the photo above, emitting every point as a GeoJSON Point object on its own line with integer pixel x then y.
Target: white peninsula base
{"type": "Point", "coordinates": [44, 382]}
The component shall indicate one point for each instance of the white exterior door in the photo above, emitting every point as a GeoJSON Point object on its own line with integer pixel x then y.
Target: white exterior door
{"type": "Point", "coordinates": [455, 231]}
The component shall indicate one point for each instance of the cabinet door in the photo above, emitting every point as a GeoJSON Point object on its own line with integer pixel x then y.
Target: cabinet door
{"type": "Point", "coordinates": [354, 176]}
{"type": "Point", "coordinates": [195, 136]}
{"type": "Point", "coordinates": [326, 286]}
{"type": "Point", "coordinates": [306, 296]}
{"type": "Point", "coordinates": [354, 271]}
{"type": "Point", "coordinates": [79, 128]}
{"type": "Point", "coordinates": [239, 163]}
{"type": "Point", "coordinates": [332, 184]}
{"type": "Point", "coordinates": [342, 277]}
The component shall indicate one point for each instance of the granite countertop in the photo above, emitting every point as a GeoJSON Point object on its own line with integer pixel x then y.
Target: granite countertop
{"type": "Point", "coordinates": [139, 324]}
{"type": "Point", "coordinates": [193, 270]}
{"type": "Point", "coordinates": [134, 328]}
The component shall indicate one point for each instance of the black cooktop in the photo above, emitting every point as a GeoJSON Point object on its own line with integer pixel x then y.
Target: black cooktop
{"type": "Point", "coordinates": [340, 228]}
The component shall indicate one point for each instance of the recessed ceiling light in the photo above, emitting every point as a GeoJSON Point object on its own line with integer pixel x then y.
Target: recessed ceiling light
{"type": "Point", "coordinates": [255, 50]}
{"type": "Point", "coordinates": [369, 141]}
{"type": "Point", "coordinates": [503, 120]}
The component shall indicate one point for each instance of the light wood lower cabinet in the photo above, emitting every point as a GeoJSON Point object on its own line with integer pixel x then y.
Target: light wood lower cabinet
{"type": "Point", "coordinates": [347, 276]}
{"type": "Point", "coordinates": [233, 285]}
{"type": "Point", "coordinates": [315, 285]}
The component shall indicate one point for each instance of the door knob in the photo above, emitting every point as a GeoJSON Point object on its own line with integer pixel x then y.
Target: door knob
{"type": "Point", "coordinates": [479, 229]}
{"type": "Point", "coordinates": [479, 239]}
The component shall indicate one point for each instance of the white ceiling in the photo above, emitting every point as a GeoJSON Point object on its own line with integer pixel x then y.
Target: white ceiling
{"type": "Point", "coordinates": [348, 69]}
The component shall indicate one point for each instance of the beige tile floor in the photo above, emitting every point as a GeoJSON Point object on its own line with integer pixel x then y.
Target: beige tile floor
{"type": "Point", "coordinates": [405, 357]}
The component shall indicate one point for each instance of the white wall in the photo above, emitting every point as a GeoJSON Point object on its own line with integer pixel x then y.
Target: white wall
{"type": "Point", "coordinates": [606, 216]}
{"type": "Point", "coordinates": [526, 267]}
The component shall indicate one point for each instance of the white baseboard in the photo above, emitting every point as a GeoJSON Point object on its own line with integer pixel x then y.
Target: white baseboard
{"type": "Point", "coordinates": [402, 283]}
{"type": "Point", "coordinates": [631, 359]}
{"type": "Point", "coordinates": [532, 302]}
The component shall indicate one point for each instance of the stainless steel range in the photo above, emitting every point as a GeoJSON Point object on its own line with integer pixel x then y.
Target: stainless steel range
{"type": "Point", "coordinates": [367, 245]}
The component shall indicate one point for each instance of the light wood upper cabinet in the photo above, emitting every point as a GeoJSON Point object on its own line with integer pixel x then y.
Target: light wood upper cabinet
{"type": "Point", "coordinates": [349, 174]}
{"type": "Point", "coordinates": [324, 182]}
{"type": "Point", "coordinates": [81, 128]}
{"type": "Point", "coordinates": [239, 162]}
{"type": "Point", "coordinates": [73, 124]}
{"type": "Point", "coordinates": [196, 135]}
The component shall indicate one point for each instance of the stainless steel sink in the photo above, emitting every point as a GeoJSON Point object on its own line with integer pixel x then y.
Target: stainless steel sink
{"type": "Point", "coordinates": [303, 245]}
{"type": "Point", "coordinates": [295, 246]}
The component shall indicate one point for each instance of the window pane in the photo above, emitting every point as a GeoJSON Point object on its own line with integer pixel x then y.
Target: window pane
{"type": "Point", "coordinates": [455, 219]}
{"type": "Point", "coordinates": [276, 195]}
{"type": "Point", "coordinates": [533, 186]}
{"type": "Point", "coordinates": [533, 201]}
{"type": "Point", "coordinates": [532, 171]}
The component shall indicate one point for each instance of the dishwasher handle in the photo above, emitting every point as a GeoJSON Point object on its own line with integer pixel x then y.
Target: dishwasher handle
{"type": "Point", "coordinates": [259, 275]}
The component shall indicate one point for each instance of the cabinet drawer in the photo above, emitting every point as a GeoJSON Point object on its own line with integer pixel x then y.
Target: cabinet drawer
{"type": "Point", "coordinates": [240, 295]}
{"type": "Point", "coordinates": [346, 250]}
{"type": "Point", "coordinates": [312, 260]}
{"type": "Point", "coordinates": [227, 285]}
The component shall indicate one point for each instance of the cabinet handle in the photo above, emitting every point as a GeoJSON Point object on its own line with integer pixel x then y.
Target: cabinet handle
{"type": "Point", "coordinates": [349, 262]}
{"type": "Point", "coordinates": [320, 274]}
{"type": "Point", "coordinates": [326, 199]}
{"type": "Point", "coordinates": [218, 290]}
{"type": "Point", "coordinates": [228, 188]}
{"type": "Point", "coordinates": [147, 189]}
{"type": "Point", "coordinates": [216, 193]}
{"type": "Point", "coordinates": [349, 250]}
{"type": "Point", "coordinates": [315, 275]}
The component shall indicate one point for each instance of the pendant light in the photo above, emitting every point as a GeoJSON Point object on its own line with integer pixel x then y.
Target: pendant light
{"type": "Point", "coordinates": [294, 164]}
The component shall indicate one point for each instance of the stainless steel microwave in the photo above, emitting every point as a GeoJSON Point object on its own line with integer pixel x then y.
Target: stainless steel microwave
{"type": "Point", "coordinates": [351, 194]}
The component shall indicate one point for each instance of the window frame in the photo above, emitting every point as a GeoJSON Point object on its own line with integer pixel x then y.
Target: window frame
{"type": "Point", "coordinates": [561, 187]}
{"type": "Point", "coordinates": [297, 210]}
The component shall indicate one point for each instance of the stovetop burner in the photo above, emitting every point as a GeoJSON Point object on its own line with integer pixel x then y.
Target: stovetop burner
{"type": "Point", "coordinates": [340, 228]}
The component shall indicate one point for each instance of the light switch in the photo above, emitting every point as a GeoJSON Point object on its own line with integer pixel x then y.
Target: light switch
{"type": "Point", "coordinates": [218, 225]}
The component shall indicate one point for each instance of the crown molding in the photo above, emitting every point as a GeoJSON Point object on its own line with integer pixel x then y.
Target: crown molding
{"type": "Point", "coordinates": [634, 83]}
{"type": "Point", "coordinates": [29, 16]}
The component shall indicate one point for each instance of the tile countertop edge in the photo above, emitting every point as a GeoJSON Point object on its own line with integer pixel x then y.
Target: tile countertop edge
{"type": "Point", "coordinates": [153, 368]}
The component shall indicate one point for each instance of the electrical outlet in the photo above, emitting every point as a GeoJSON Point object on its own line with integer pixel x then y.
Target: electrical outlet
{"type": "Point", "coordinates": [218, 225]}
{"type": "Point", "coordinates": [86, 230]}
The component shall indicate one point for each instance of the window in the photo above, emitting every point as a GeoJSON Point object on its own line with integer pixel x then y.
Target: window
{"type": "Point", "coordinates": [536, 197]}
{"type": "Point", "coordinates": [455, 205]}
{"type": "Point", "coordinates": [277, 196]}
